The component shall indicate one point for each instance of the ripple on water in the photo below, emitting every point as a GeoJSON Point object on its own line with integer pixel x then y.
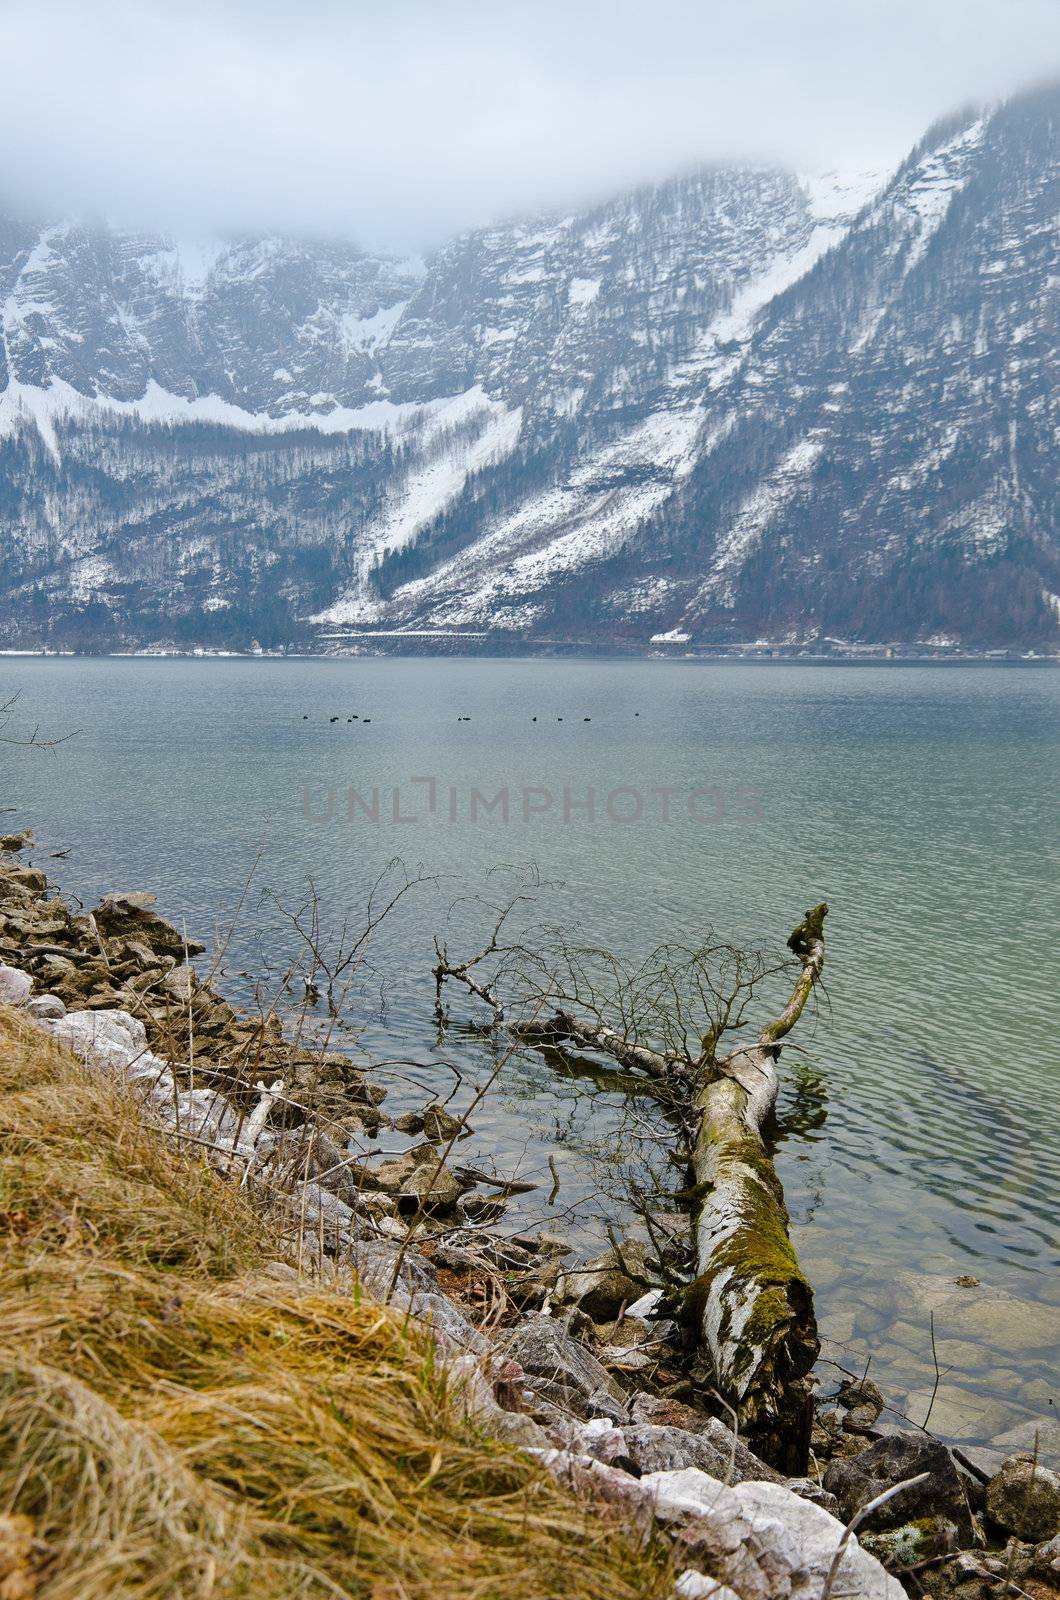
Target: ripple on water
{"type": "Point", "coordinates": [920, 803]}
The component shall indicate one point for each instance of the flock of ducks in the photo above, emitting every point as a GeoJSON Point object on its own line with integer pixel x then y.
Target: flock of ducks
{"type": "Point", "coordinates": [366, 720]}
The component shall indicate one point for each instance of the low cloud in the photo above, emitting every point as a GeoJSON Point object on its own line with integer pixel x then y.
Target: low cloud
{"type": "Point", "coordinates": [399, 125]}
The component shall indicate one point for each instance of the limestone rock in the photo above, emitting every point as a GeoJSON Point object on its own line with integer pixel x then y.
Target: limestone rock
{"type": "Point", "coordinates": [475, 1395]}
{"type": "Point", "coordinates": [543, 1243]}
{"type": "Point", "coordinates": [810, 1489]}
{"type": "Point", "coordinates": [693, 1585]}
{"type": "Point", "coordinates": [667, 1413]}
{"type": "Point", "coordinates": [46, 1007]}
{"type": "Point", "coordinates": [416, 1178]}
{"type": "Point", "coordinates": [563, 1371]}
{"type": "Point", "coordinates": [103, 1037]}
{"type": "Point", "coordinates": [15, 986]}
{"type": "Point", "coordinates": [762, 1540]}
{"type": "Point", "coordinates": [409, 1122]}
{"type": "Point", "coordinates": [129, 916]}
{"type": "Point", "coordinates": [180, 983]}
{"type": "Point", "coordinates": [32, 879]}
{"type": "Point", "coordinates": [856, 1481]}
{"type": "Point", "coordinates": [648, 1448]}
{"type": "Point", "coordinates": [439, 1125]}
{"type": "Point", "coordinates": [865, 1402]}
{"type": "Point", "coordinates": [602, 1287]}
{"type": "Point", "coordinates": [483, 1207]}
{"type": "Point", "coordinates": [1024, 1498]}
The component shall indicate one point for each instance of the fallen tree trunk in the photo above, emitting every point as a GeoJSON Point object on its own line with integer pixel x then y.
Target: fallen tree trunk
{"type": "Point", "coordinates": [752, 1304]}
{"type": "Point", "coordinates": [563, 1028]}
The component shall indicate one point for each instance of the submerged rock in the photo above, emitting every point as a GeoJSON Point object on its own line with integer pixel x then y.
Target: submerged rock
{"type": "Point", "coordinates": [1041, 1436]}
{"type": "Point", "coordinates": [968, 1309]}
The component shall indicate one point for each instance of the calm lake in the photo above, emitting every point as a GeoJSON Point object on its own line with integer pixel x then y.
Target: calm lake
{"type": "Point", "coordinates": [920, 1139]}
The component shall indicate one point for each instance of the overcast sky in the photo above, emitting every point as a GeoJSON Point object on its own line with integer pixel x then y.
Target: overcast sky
{"type": "Point", "coordinates": [398, 121]}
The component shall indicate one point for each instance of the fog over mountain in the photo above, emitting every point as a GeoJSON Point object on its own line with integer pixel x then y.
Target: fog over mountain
{"type": "Point", "coordinates": [399, 126]}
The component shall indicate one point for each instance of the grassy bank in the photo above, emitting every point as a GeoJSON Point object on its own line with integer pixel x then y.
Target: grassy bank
{"type": "Point", "coordinates": [175, 1421]}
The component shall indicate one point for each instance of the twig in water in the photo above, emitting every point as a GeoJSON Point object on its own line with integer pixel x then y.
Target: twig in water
{"type": "Point", "coordinates": [938, 1375]}
{"type": "Point", "coordinates": [554, 1191]}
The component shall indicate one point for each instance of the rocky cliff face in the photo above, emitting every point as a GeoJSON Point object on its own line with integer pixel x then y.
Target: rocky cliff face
{"type": "Point", "coordinates": [733, 405]}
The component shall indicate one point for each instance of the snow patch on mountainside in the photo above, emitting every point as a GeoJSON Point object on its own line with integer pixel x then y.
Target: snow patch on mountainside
{"type": "Point", "coordinates": [604, 500]}
{"type": "Point", "coordinates": [368, 333]}
{"type": "Point", "coordinates": [431, 487]}
{"type": "Point", "coordinates": [839, 195]}
{"type": "Point", "coordinates": [756, 514]}
{"type": "Point", "coordinates": [940, 177]}
{"type": "Point", "coordinates": [47, 408]}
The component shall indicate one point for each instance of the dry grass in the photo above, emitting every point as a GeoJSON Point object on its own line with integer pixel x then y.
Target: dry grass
{"type": "Point", "coordinates": [176, 1423]}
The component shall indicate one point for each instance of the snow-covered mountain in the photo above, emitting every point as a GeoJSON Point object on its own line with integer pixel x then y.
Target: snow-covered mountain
{"type": "Point", "coordinates": [738, 404]}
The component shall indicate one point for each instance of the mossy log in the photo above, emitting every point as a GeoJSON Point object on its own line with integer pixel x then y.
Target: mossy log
{"type": "Point", "coordinates": [753, 1306]}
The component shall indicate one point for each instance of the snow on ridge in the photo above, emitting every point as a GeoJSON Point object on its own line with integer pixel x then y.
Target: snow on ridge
{"type": "Point", "coordinates": [840, 195]}
{"type": "Point", "coordinates": [567, 526]}
{"type": "Point", "coordinates": [60, 401]}
{"type": "Point", "coordinates": [435, 484]}
{"type": "Point", "coordinates": [738, 321]}
{"type": "Point", "coordinates": [195, 259]}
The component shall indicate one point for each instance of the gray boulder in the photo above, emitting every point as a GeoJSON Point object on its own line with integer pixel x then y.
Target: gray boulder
{"type": "Point", "coordinates": [602, 1287]}
{"type": "Point", "coordinates": [859, 1479]}
{"type": "Point", "coordinates": [562, 1371]}
{"type": "Point", "coordinates": [46, 1007]}
{"type": "Point", "coordinates": [15, 986]}
{"type": "Point", "coordinates": [643, 1448]}
{"type": "Point", "coordinates": [1024, 1498]}
{"type": "Point", "coordinates": [129, 916]}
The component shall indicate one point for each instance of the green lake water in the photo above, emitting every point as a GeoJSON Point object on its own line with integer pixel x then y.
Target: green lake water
{"type": "Point", "coordinates": [919, 1133]}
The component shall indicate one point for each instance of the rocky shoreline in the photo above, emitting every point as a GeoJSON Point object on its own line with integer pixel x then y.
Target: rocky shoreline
{"type": "Point", "coordinates": [578, 1363]}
